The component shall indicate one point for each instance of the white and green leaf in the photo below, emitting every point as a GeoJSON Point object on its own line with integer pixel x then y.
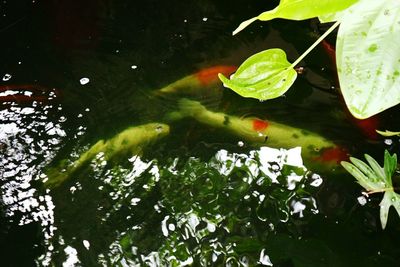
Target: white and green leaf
{"type": "Point", "coordinates": [300, 10]}
{"type": "Point", "coordinates": [368, 57]}
{"type": "Point", "coordinates": [331, 17]}
{"type": "Point", "coordinates": [378, 170]}
{"type": "Point", "coordinates": [390, 198]}
{"type": "Point", "coordinates": [361, 178]}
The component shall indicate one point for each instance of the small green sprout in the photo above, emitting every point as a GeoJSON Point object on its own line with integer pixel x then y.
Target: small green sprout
{"type": "Point", "coordinates": [375, 179]}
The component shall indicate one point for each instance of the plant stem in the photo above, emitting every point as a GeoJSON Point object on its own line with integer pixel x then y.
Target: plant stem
{"type": "Point", "coordinates": [314, 44]}
{"type": "Point", "coordinates": [370, 192]}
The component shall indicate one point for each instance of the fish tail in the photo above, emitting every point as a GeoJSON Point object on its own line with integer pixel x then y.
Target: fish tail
{"type": "Point", "coordinates": [55, 177]}
{"type": "Point", "coordinates": [190, 107]}
{"type": "Point", "coordinates": [333, 155]}
{"type": "Point", "coordinates": [186, 108]}
{"type": "Point", "coordinates": [179, 85]}
{"type": "Point", "coordinates": [174, 116]}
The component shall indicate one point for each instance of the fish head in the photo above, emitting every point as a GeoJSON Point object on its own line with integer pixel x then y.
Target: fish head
{"type": "Point", "coordinates": [156, 130]}
{"type": "Point", "coordinates": [134, 138]}
{"type": "Point", "coordinates": [208, 76]}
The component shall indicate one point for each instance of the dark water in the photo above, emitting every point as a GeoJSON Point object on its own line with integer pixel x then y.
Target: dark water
{"type": "Point", "coordinates": [199, 196]}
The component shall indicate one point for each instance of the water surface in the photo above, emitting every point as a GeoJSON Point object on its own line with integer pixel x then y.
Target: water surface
{"type": "Point", "coordinates": [199, 196]}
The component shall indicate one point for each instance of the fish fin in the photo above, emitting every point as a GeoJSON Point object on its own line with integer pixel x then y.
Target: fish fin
{"type": "Point", "coordinates": [174, 116]}
{"type": "Point", "coordinates": [186, 108]}
{"type": "Point", "coordinates": [191, 107]}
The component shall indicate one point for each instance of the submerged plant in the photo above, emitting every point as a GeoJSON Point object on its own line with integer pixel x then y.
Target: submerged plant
{"type": "Point", "coordinates": [376, 179]}
{"type": "Point", "coordinates": [367, 54]}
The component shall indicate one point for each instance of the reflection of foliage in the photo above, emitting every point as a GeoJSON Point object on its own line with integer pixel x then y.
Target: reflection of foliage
{"type": "Point", "coordinates": [232, 209]}
{"type": "Point", "coordinates": [375, 179]}
{"type": "Point", "coordinates": [218, 211]}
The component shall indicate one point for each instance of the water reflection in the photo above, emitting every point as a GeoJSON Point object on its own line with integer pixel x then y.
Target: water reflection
{"type": "Point", "coordinates": [217, 206]}
{"type": "Point", "coordinates": [22, 150]}
{"type": "Point", "coordinates": [180, 211]}
{"type": "Point", "coordinates": [30, 136]}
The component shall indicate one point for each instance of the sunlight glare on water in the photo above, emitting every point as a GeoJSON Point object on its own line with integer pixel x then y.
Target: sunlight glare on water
{"type": "Point", "coordinates": [22, 150]}
{"type": "Point", "coordinates": [17, 137]}
{"type": "Point", "coordinates": [191, 222]}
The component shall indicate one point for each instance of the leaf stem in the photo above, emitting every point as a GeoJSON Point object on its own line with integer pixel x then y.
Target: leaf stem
{"type": "Point", "coordinates": [370, 192]}
{"type": "Point", "coordinates": [314, 44]}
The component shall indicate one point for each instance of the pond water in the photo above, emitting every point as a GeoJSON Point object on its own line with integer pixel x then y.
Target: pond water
{"type": "Point", "coordinates": [174, 187]}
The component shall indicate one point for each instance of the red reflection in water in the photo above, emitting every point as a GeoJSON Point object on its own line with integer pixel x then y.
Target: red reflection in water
{"type": "Point", "coordinates": [26, 94]}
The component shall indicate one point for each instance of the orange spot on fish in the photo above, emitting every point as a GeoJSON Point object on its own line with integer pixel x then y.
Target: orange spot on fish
{"type": "Point", "coordinates": [333, 155]}
{"type": "Point", "coordinates": [210, 75]}
{"type": "Point", "coordinates": [259, 125]}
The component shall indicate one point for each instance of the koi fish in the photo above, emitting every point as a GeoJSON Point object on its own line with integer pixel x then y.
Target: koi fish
{"type": "Point", "coordinates": [127, 143]}
{"type": "Point", "coordinates": [205, 82]}
{"type": "Point", "coordinates": [263, 132]}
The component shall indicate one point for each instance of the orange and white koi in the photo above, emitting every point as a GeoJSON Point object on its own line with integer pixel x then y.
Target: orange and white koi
{"type": "Point", "coordinates": [258, 131]}
{"type": "Point", "coordinates": [205, 82]}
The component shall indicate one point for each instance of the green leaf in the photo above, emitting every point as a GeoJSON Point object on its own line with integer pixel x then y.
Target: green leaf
{"type": "Point", "coordinates": [379, 172]}
{"type": "Point", "coordinates": [364, 168]}
{"type": "Point", "coordinates": [299, 10]}
{"type": "Point", "coordinates": [368, 57]}
{"type": "Point", "coordinates": [390, 198]}
{"type": "Point", "coordinates": [263, 76]}
{"type": "Point", "coordinates": [388, 133]}
{"type": "Point", "coordinates": [390, 165]}
{"type": "Point", "coordinates": [376, 179]}
{"type": "Point", "coordinates": [359, 175]}
{"type": "Point", "coordinates": [331, 17]}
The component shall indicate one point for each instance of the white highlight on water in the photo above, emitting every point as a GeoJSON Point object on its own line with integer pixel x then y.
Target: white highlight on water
{"type": "Point", "coordinates": [7, 77]}
{"type": "Point", "coordinates": [84, 81]}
